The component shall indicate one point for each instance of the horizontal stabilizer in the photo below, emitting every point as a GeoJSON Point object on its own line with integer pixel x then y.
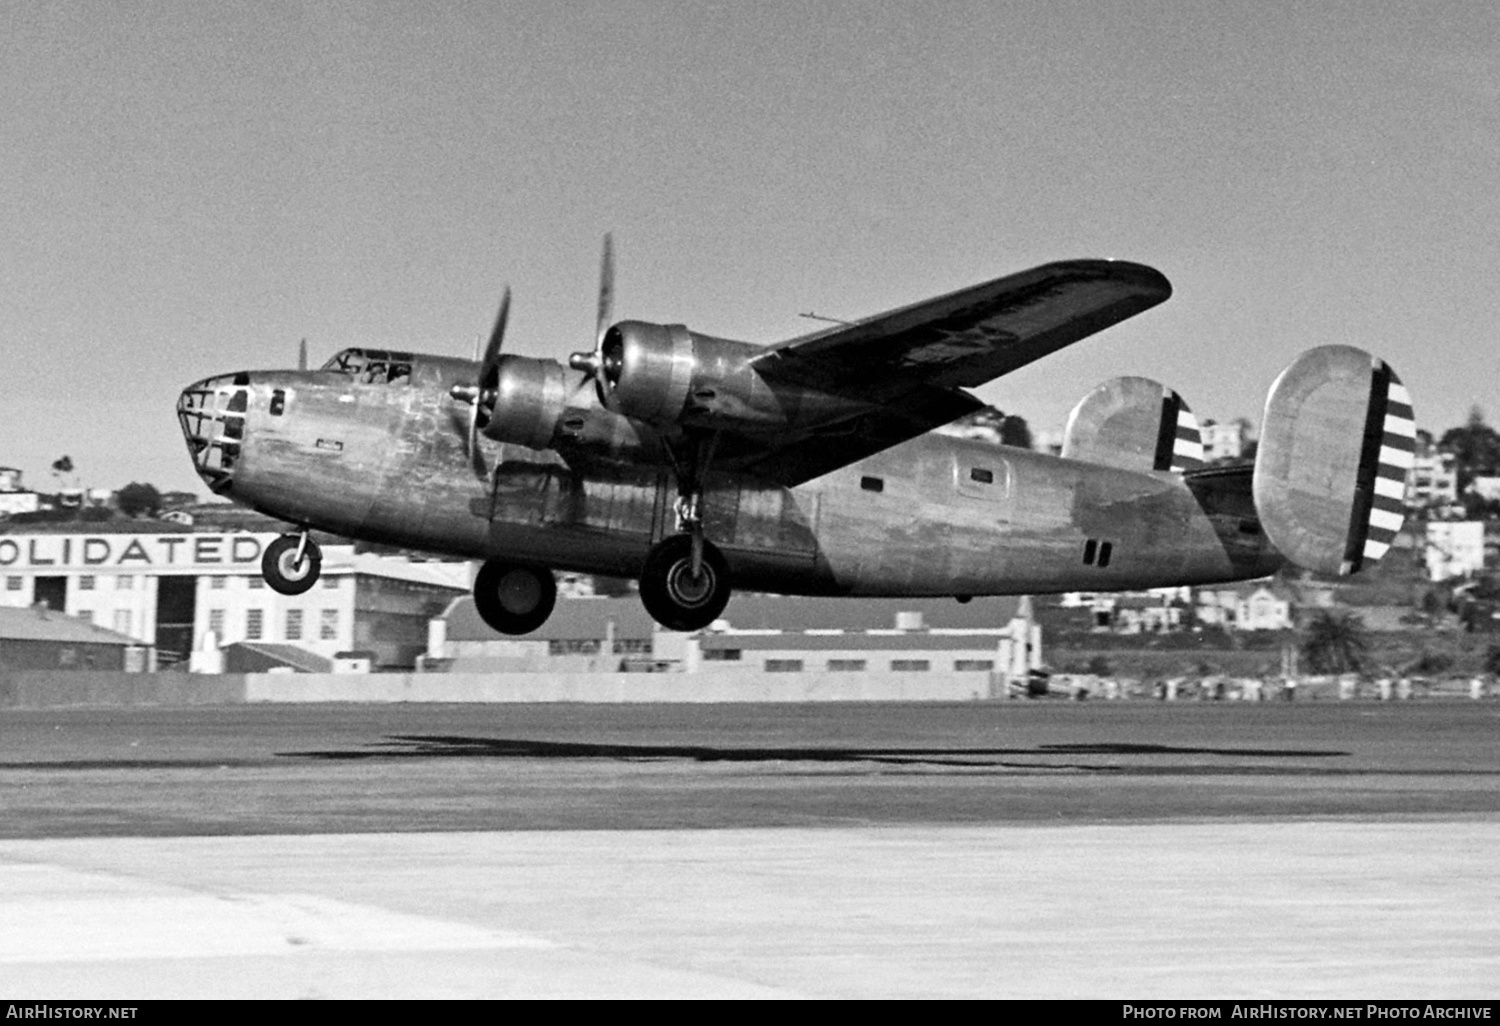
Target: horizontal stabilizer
{"type": "Point", "coordinates": [1335, 446]}
{"type": "Point", "coordinates": [1134, 424]}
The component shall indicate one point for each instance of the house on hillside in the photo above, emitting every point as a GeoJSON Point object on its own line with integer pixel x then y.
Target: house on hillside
{"type": "Point", "coordinates": [1244, 607]}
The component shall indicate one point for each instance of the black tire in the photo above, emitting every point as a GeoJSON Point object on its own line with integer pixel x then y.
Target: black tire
{"type": "Point", "coordinates": [514, 599]}
{"type": "Point", "coordinates": [671, 595]}
{"type": "Point", "coordinates": [278, 566]}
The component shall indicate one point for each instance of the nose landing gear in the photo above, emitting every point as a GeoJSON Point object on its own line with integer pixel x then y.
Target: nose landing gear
{"type": "Point", "coordinates": [292, 564]}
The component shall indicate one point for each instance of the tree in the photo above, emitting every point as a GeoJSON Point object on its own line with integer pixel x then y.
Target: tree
{"type": "Point", "coordinates": [1015, 431]}
{"type": "Point", "coordinates": [138, 499]}
{"type": "Point", "coordinates": [1475, 448]}
{"type": "Point", "coordinates": [1492, 660]}
{"type": "Point", "coordinates": [1334, 642]}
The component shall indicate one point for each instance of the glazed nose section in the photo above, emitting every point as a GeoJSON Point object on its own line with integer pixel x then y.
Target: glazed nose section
{"type": "Point", "coordinates": [212, 415]}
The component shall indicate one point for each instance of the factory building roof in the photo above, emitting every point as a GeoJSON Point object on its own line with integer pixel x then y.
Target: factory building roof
{"type": "Point", "coordinates": [39, 624]}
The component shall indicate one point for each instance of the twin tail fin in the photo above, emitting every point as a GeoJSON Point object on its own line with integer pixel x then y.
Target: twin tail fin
{"type": "Point", "coordinates": [1330, 473]}
{"type": "Point", "coordinates": [1134, 424]}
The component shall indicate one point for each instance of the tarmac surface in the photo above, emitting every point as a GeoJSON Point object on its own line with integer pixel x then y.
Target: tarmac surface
{"type": "Point", "coordinates": [1002, 849]}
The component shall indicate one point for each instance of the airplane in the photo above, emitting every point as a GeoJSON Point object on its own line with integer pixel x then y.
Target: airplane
{"type": "Point", "coordinates": [825, 464]}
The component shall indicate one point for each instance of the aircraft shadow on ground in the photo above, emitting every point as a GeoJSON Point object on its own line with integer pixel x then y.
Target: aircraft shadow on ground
{"type": "Point", "coordinates": [437, 746]}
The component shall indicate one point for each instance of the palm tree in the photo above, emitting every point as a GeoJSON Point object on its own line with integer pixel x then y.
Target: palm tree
{"type": "Point", "coordinates": [1334, 642]}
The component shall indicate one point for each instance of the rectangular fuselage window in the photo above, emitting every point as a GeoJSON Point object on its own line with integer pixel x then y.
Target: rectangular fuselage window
{"type": "Point", "coordinates": [981, 475]}
{"type": "Point", "coordinates": [783, 665]}
{"type": "Point", "coordinates": [872, 484]}
{"type": "Point", "coordinates": [1097, 553]}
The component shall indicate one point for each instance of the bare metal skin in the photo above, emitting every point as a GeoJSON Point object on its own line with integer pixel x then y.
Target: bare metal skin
{"type": "Point", "coordinates": [382, 462]}
{"type": "Point", "coordinates": [815, 466]}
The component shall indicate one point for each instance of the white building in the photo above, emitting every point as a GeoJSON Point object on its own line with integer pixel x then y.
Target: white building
{"type": "Point", "coordinates": [1222, 440]}
{"type": "Point", "coordinates": [1455, 548]}
{"type": "Point", "coordinates": [173, 590]}
{"type": "Point", "coordinates": [13, 498]}
{"type": "Point", "coordinates": [1432, 480]}
{"type": "Point", "coordinates": [1244, 608]}
{"type": "Point", "coordinates": [1487, 488]}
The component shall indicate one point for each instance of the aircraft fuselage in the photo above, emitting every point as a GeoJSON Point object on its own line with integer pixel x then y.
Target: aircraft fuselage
{"type": "Point", "coordinates": [384, 460]}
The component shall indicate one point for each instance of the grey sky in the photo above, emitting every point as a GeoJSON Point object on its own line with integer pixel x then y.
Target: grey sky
{"type": "Point", "coordinates": [190, 188]}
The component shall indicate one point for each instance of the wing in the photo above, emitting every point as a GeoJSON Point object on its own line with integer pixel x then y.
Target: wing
{"type": "Point", "coordinates": [967, 337]}
{"type": "Point", "coordinates": [911, 365]}
{"type": "Point", "coordinates": [809, 454]}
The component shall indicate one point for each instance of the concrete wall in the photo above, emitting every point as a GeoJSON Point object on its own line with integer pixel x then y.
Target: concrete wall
{"type": "Point", "coordinates": [52, 689]}
{"type": "Point", "coordinates": [42, 690]}
{"type": "Point", "coordinates": [721, 686]}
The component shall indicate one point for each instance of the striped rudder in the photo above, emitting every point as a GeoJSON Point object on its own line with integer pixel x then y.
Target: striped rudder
{"type": "Point", "coordinates": [1330, 473]}
{"type": "Point", "coordinates": [1390, 449]}
{"type": "Point", "coordinates": [1134, 424]}
{"type": "Point", "coordinates": [1181, 448]}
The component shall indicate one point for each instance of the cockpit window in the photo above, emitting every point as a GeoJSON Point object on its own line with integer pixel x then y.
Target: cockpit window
{"type": "Point", "coordinates": [372, 366]}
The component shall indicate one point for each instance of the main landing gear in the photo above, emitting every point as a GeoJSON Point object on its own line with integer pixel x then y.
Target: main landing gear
{"type": "Point", "coordinates": [292, 563]}
{"type": "Point", "coordinates": [678, 598]}
{"type": "Point", "coordinates": [514, 599]}
{"type": "Point", "coordinates": [685, 581]}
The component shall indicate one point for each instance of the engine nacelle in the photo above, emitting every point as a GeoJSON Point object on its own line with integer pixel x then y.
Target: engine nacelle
{"type": "Point", "coordinates": [537, 404]}
{"type": "Point", "coordinates": [664, 374]}
{"type": "Point", "coordinates": [648, 370]}
{"type": "Point", "coordinates": [530, 397]}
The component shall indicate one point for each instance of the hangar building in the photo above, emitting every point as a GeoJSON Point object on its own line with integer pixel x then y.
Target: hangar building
{"type": "Point", "coordinates": [180, 591]}
{"type": "Point", "coordinates": [759, 632]}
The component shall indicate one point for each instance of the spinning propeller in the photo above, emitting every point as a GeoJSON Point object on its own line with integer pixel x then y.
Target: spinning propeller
{"type": "Point", "coordinates": [596, 366]}
{"type": "Point", "coordinates": [489, 373]}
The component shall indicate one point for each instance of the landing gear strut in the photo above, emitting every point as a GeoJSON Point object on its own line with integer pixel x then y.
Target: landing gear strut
{"type": "Point", "coordinates": [685, 582]}
{"type": "Point", "coordinates": [514, 599]}
{"type": "Point", "coordinates": [292, 563]}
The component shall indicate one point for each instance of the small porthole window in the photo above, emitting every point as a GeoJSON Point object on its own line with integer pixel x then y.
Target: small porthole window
{"type": "Point", "coordinates": [278, 402]}
{"type": "Point", "coordinates": [1104, 554]}
{"type": "Point", "coordinates": [1090, 549]}
{"type": "Point", "coordinates": [872, 484]}
{"type": "Point", "coordinates": [981, 475]}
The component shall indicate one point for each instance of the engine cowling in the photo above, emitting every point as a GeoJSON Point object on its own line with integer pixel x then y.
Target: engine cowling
{"type": "Point", "coordinates": [664, 374]}
{"type": "Point", "coordinates": [647, 370]}
{"type": "Point", "coordinates": [534, 403]}
{"type": "Point", "coordinates": [530, 397]}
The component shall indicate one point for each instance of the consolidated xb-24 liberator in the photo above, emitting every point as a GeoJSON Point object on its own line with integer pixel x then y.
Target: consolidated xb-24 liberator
{"type": "Point", "coordinates": [816, 466]}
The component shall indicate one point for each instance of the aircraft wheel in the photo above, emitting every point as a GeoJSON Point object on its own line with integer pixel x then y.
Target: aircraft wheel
{"type": "Point", "coordinates": [279, 566]}
{"type": "Point", "coordinates": [673, 596]}
{"type": "Point", "coordinates": [514, 599]}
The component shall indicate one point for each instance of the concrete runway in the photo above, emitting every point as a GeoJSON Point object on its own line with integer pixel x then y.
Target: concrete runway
{"type": "Point", "coordinates": [997, 850]}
